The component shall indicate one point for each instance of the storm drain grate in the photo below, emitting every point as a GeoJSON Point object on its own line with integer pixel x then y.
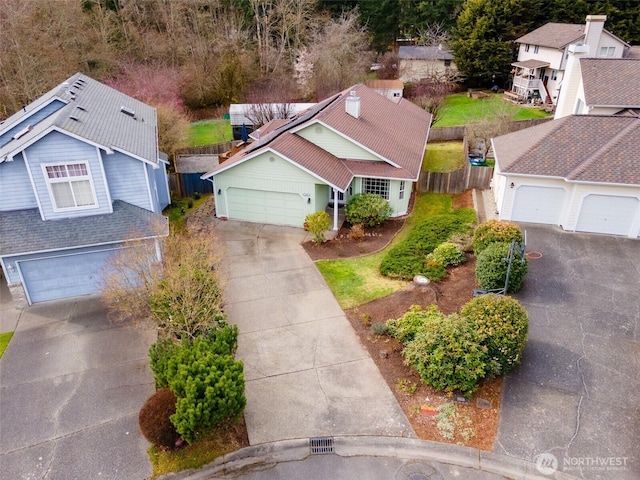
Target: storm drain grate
{"type": "Point", "coordinates": [321, 445]}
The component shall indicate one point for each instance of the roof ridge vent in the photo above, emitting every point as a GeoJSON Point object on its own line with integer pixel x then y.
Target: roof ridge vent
{"type": "Point", "coordinates": [127, 111]}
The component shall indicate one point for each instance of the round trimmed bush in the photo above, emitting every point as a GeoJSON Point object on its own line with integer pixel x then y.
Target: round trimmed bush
{"type": "Point", "coordinates": [154, 419]}
{"type": "Point", "coordinates": [502, 325]}
{"type": "Point", "coordinates": [447, 254]}
{"type": "Point", "coordinates": [367, 208]}
{"type": "Point", "coordinates": [406, 327]}
{"type": "Point", "coordinates": [493, 231]}
{"type": "Point", "coordinates": [447, 355]}
{"type": "Point", "coordinates": [317, 223]}
{"type": "Point", "coordinates": [491, 268]}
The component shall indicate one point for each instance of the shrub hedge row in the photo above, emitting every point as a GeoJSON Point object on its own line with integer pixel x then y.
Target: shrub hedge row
{"type": "Point", "coordinates": [408, 258]}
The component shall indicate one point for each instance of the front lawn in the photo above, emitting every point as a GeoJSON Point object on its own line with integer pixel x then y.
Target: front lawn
{"type": "Point", "coordinates": [210, 132]}
{"type": "Point", "coordinates": [459, 109]}
{"type": "Point", "coordinates": [355, 281]}
{"type": "Point", "coordinates": [443, 157]}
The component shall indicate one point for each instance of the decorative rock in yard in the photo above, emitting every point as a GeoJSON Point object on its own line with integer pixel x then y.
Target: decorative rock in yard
{"type": "Point", "coordinates": [421, 280]}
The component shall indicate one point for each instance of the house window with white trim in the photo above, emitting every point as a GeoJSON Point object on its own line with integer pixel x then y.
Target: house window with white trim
{"type": "Point", "coordinates": [379, 186]}
{"type": "Point", "coordinates": [554, 74]}
{"type": "Point", "coordinates": [536, 49]}
{"type": "Point", "coordinates": [607, 51]}
{"type": "Point", "coordinates": [70, 185]}
{"type": "Point", "coordinates": [401, 195]}
{"type": "Point", "coordinates": [526, 47]}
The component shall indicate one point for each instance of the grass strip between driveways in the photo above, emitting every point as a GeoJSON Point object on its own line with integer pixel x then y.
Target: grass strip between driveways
{"type": "Point", "coordinates": [221, 441]}
{"type": "Point", "coordinates": [355, 281]}
{"type": "Point", "coordinates": [4, 341]}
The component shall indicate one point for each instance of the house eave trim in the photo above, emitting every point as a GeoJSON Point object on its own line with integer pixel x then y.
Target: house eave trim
{"type": "Point", "coordinates": [64, 249]}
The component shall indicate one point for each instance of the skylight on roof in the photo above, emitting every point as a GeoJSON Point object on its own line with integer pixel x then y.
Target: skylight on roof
{"type": "Point", "coordinates": [127, 111]}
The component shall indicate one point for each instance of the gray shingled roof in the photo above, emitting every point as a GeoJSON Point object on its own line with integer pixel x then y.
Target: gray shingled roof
{"type": "Point", "coordinates": [196, 163]}
{"type": "Point", "coordinates": [611, 81]}
{"type": "Point", "coordinates": [531, 63]}
{"type": "Point", "coordinates": [397, 132]}
{"type": "Point", "coordinates": [554, 35]}
{"type": "Point", "coordinates": [424, 53]}
{"type": "Point", "coordinates": [580, 148]}
{"type": "Point", "coordinates": [100, 120]}
{"type": "Point", "coordinates": [23, 231]}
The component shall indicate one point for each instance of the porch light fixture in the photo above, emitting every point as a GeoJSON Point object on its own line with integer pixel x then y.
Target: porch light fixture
{"type": "Point", "coordinates": [309, 200]}
{"type": "Point", "coordinates": [219, 191]}
{"type": "Point", "coordinates": [512, 185]}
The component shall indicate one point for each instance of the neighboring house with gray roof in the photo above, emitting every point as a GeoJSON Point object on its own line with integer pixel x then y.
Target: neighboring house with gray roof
{"type": "Point", "coordinates": [357, 141]}
{"type": "Point", "coordinates": [580, 172]}
{"type": "Point", "coordinates": [418, 62]}
{"type": "Point", "coordinates": [80, 175]}
{"type": "Point", "coordinates": [543, 53]}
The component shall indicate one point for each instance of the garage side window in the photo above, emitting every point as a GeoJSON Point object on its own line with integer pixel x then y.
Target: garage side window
{"type": "Point", "coordinates": [379, 186]}
{"type": "Point", "coordinates": [70, 186]}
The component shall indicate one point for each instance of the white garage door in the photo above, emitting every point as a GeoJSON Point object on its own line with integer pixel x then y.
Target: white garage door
{"type": "Point", "coordinates": [61, 277]}
{"type": "Point", "coordinates": [535, 204]}
{"type": "Point", "coordinates": [607, 214]}
{"type": "Point", "coordinates": [278, 208]}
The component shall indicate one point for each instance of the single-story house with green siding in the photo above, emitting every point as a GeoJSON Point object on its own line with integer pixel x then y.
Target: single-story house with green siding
{"type": "Point", "coordinates": [356, 141]}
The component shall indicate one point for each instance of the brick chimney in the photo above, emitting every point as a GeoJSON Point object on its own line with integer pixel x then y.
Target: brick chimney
{"type": "Point", "coordinates": [593, 31]}
{"type": "Point", "coordinates": [352, 104]}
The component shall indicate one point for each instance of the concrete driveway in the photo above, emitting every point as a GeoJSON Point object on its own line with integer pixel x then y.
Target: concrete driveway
{"type": "Point", "coordinates": [71, 386]}
{"type": "Point", "coordinates": [576, 395]}
{"type": "Point", "coordinates": [307, 375]}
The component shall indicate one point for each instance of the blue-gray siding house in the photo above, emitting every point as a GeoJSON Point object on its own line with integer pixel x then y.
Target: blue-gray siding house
{"type": "Point", "coordinates": [80, 176]}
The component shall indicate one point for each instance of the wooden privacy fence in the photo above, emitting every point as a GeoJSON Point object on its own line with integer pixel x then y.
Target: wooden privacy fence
{"type": "Point", "coordinates": [457, 181]}
{"type": "Point", "coordinates": [446, 134]}
{"type": "Point", "coordinates": [216, 149]}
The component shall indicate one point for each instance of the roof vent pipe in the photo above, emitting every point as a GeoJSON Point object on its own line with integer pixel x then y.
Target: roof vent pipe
{"type": "Point", "coordinates": [352, 104]}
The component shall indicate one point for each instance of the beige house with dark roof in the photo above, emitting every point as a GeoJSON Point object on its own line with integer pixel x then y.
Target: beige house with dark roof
{"type": "Point", "coordinates": [418, 62]}
{"type": "Point", "coordinates": [539, 71]}
{"type": "Point", "coordinates": [598, 86]}
{"type": "Point", "coordinates": [357, 141]}
{"type": "Point", "coordinates": [580, 172]}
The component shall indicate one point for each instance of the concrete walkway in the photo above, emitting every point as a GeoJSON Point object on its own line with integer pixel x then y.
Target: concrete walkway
{"type": "Point", "coordinates": [307, 375]}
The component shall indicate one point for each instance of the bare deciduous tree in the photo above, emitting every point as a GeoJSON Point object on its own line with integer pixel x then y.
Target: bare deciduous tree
{"type": "Point", "coordinates": [433, 35]}
{"type": "Point", "coordinates": [430, 93]}
{"type": "Point", "coordinates": [270, 99]}
{"type": "Point", "coordinates": [182, 294]}
{"type": "Point", "coordinates": [340, 55]}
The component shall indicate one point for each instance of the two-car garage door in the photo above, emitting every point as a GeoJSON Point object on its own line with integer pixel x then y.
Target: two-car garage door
{"type": "Point", "coordinates": [63, 276]}
{"type": "Point", "coordinates": [278, 208]}
{"type": "Point", "coordinates": [611, 214]}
